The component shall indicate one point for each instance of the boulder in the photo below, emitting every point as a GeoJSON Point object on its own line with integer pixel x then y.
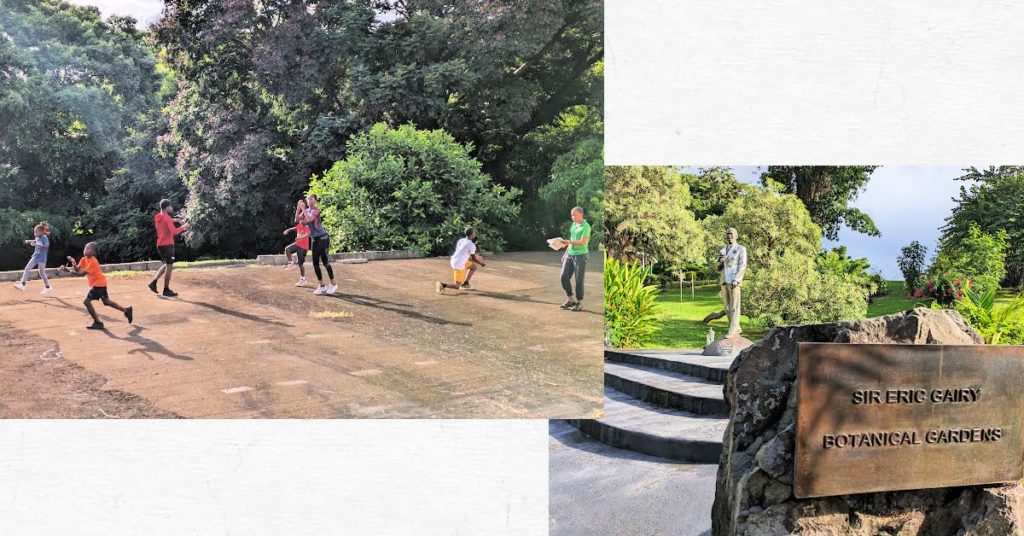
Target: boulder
{"type": "Point", "coordinates": [754, 495]}
{"type": "Point", "coordinates": [726, 346]}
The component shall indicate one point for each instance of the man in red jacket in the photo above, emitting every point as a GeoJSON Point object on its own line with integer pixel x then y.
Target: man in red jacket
{"type": "Point", "coordinates": [166, 230]}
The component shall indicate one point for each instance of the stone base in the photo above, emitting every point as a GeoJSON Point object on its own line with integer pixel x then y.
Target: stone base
{"type": "Point", "coordinates": [728, 346]}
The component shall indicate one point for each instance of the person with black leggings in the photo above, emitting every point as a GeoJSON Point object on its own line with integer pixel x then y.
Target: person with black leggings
{"type": "Point", "coordinates": [320, 243]}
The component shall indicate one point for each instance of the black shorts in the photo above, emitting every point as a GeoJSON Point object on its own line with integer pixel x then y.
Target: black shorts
{"type": "Point", "coordinates": [97, 293]}
{"type": "Point", "coordinates": [299, 252]}
{"type": "Point", "coordinates": [166, 254]}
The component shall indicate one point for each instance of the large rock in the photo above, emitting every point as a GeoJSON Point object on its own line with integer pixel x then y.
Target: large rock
{"type": "Point", "coordinates": [754, 494]}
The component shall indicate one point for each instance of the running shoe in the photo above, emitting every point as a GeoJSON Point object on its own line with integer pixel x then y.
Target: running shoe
{"type": "Point", "coordinates": [128, 314]}
{"type": "Point", "coordinates": [465, 285]}
{"type": "Point", "coordinates": [439, 287]}
{"type": "Point", "coordinates": [46, 290]}
{"type": "Point", "coordinates": [320, 290]}
{"type": "Point", "coordinates": [568, 304]}
{"type": "Point", "coordinates": [168, 293]}
{"type": "Point", "coordinates": [301, 282]}
{"type": "Point", "coordinates": [289, 266]}
{"type": "Point", "coordinates": [576, 307]}
{"type": "Point", "coordinates": [20, 286]}
{"type": "Point", "coordinates": [152, 286]}
{"type": "Point", "coordinates": [332, 289]}
{"type": "Point", "coordinates": [96, 325]}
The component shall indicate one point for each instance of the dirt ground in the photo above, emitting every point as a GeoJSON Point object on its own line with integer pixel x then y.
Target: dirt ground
{"type": "Point", "coordinates": [244, 342]}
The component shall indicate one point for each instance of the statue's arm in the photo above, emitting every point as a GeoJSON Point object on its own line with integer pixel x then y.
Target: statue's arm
{"type": "Point", "coordinates": [741, 264]}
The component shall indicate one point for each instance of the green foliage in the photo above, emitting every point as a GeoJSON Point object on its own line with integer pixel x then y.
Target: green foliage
{"type": "Point", "coordinates": [577, 179]}
{"type": "Point", "coordinates": [992, 202]}
{"type": "Point", "coordinates": [410, 189]}
{"type": "Point", "coordinates": [647, 216]}
{"type": "Point", "coordinates": [630, 311]}
{"type": "Point", "coordinates": [975, 255]}
{"type": "Point", "coordinates": [836, 261]}
{"type": "Point", "coordinates": [911, 263]}
{"type": "Point", "coordinates": [827, 192]}
{"type": "Point", "coordinates": [943, 289]}
{"type": "Point", "coordinates": [997, 324]}
{"type": "Point", "coordinates": [712, 189]}
{"type": "Point", "coordinates": [784, 284]}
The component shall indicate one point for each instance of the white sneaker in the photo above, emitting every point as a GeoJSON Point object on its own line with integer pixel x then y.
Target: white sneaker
{"type": "Point", "coordinates": [20, 286]}
{"type": "Point", "coordinates": [289, 266]}
{"type": "Point", "coordinates": [320, 290]}
{"type": "Point", "coordinates": [302, 282]}
{"type": "Point", "coordinates": [46, 290]}
{"type": "Point", "coordinates": [331, 290]}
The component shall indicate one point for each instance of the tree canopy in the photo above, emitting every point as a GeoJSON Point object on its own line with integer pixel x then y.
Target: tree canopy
{"type": "Point", "coordinates": [827, 192]}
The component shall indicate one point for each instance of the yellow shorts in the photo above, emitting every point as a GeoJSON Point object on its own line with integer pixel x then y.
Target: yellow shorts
{"type": "Point", "coordinates": [460, 275]}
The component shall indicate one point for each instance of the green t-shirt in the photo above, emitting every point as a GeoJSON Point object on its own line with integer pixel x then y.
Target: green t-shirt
{"type": "Point", "coordinates": [577, 232]}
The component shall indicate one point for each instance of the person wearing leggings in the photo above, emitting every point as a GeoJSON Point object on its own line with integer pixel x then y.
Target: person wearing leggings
{"type": "Point", "coordinates": [320, 243]}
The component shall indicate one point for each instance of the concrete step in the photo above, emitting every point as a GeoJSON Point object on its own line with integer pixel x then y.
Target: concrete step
{"type": "Point", "coordinates": [667, 389]}
{"type": "Point", "coordinates": [688, 362]}
{"type": "Point", "coordinates": [642, 427]}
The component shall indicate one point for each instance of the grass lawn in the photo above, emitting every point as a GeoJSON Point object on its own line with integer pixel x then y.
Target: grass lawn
{"type": "Point", "coordinates": [682, 326]}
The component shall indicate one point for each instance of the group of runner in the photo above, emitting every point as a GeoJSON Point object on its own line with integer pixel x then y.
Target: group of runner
{"type": "Point", "coordinates": [310, 236]}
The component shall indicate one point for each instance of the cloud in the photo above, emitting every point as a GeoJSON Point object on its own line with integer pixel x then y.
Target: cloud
{"type": "Point", "coordinates": [144, 11]}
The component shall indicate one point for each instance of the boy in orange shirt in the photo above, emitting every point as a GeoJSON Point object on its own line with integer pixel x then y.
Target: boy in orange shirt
{"type": "Point", "coordinates": [90, 268]}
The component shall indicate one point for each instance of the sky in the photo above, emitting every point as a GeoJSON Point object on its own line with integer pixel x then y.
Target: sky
{"type": "Point", "coordinates": [144, 11]}
{"type": "Point", "coordinates": [907, 203]}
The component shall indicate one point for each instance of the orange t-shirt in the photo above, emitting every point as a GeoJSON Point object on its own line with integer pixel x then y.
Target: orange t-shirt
{"type": "Point", "coordinates": [93, 273]}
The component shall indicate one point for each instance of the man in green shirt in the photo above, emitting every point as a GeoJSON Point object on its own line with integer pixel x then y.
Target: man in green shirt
{"type": "Point", "coordinates": [574, 262]}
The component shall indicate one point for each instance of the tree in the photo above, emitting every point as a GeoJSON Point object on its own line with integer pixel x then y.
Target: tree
{"type": "Point", "coordinates": [410, 189]}
{"type": "Point", "coordinates": [979, 256]}
{"type": "Point", "coordinates": [783, 283]}
{"type": "Point", "coordinates": [836, 261]}
{"type": "Point", "coordinates": [827, 192]}
{"type": "Point", "coordinates": [713, 189]}
{"type": "Point", "coordinates": [647, 216]}
{"type": "Point", "coordinates": [993, 202]}
{"type": "Point", "coordinates": [577, 179]}
{"type": "Point", "coordinates": [911, 262]}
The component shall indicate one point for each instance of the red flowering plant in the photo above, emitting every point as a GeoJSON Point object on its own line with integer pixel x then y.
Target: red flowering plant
{"type": "Point", "coordinates": [944, 289]}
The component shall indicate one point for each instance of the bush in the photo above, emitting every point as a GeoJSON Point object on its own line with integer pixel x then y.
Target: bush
{"type": "Point", "coordinates": [410, 189]}
{"type": "Point", "coordinates": [979, 256]}
{"type": "Point", "coordinates": [944, 289]}
{"type": "Point", "coordinates": [996, 324]}
{"type": "Point", "coordinates": [629, 304]}
{"type": "Point", "coordinates": [879, 284]}
{"type": "Point", "coordinates": [792, 291]}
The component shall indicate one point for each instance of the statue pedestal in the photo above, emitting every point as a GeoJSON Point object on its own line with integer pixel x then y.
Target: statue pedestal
{"type": "Point", "coordinates": [728, 346]}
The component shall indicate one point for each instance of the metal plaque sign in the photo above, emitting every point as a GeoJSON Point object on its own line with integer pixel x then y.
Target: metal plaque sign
{"type": "Point", "coordinates": [884, 417]}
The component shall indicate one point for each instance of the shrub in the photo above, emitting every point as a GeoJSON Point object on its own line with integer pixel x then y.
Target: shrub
{"type": "Point", "coordinates": [410, 189]}
{"type": "Point", "coordinates": [944, 289]}
{"type": "Point", "coordinates": [1003, 324]}
{"type": "Point", "coordinates": [979, 256]}
{"type": "Point", "coordinates": [629, 304]}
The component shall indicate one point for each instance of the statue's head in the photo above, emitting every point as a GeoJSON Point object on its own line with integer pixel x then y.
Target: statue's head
{"type": "Point", "coordinates": [731, 235]}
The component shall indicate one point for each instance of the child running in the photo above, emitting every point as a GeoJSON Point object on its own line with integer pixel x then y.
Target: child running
{"type": "Point", "coordinates": [90, 268]}
{"type": "Point", "coordinates": [464, 263]}
{"type": "Point", "coordinates": [301, 244]}
{"type": "Point", "coordinates": [41, 243]}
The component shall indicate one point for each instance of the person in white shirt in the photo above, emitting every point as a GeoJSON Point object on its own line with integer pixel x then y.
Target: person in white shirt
{"type": "Point", "coordinates": [463, 262]}
{"type": "Point", "coordinates": [732, 262]}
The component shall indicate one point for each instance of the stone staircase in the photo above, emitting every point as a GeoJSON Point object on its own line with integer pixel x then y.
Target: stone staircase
{"type": "Point", "coordinates": [665, 403]}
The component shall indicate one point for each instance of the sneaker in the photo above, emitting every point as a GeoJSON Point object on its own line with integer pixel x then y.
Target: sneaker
{"type": "Point", "coordinates": [465, 285]}
{"type": "Point", "coordinates": [128, 314]}
{"type": "Point", "coordinates": [301, 282]}
{"type": "Point", "coordinates": [46, 290]}
{"type": "Point", "coordinates": [168, 293]}
{"type": "Point", "coordinates": [96, 325]}
{"type": "Point", "coordinates": [575, 307]}
{"type": "Point", "coordinates": [320, 290]}
{"type": "Point", "coordinates": [568, 304]}
{"type": "Point", "coordinates": [152, 286]}
{"type": "Point", "coordinates": [20, 286]}
{"type": "Point", "coordinates": [439, 287]}
{"type": "Point", "coordinates": [289, 266]}
{"type": "Point", "coordinates": [332, 289]}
